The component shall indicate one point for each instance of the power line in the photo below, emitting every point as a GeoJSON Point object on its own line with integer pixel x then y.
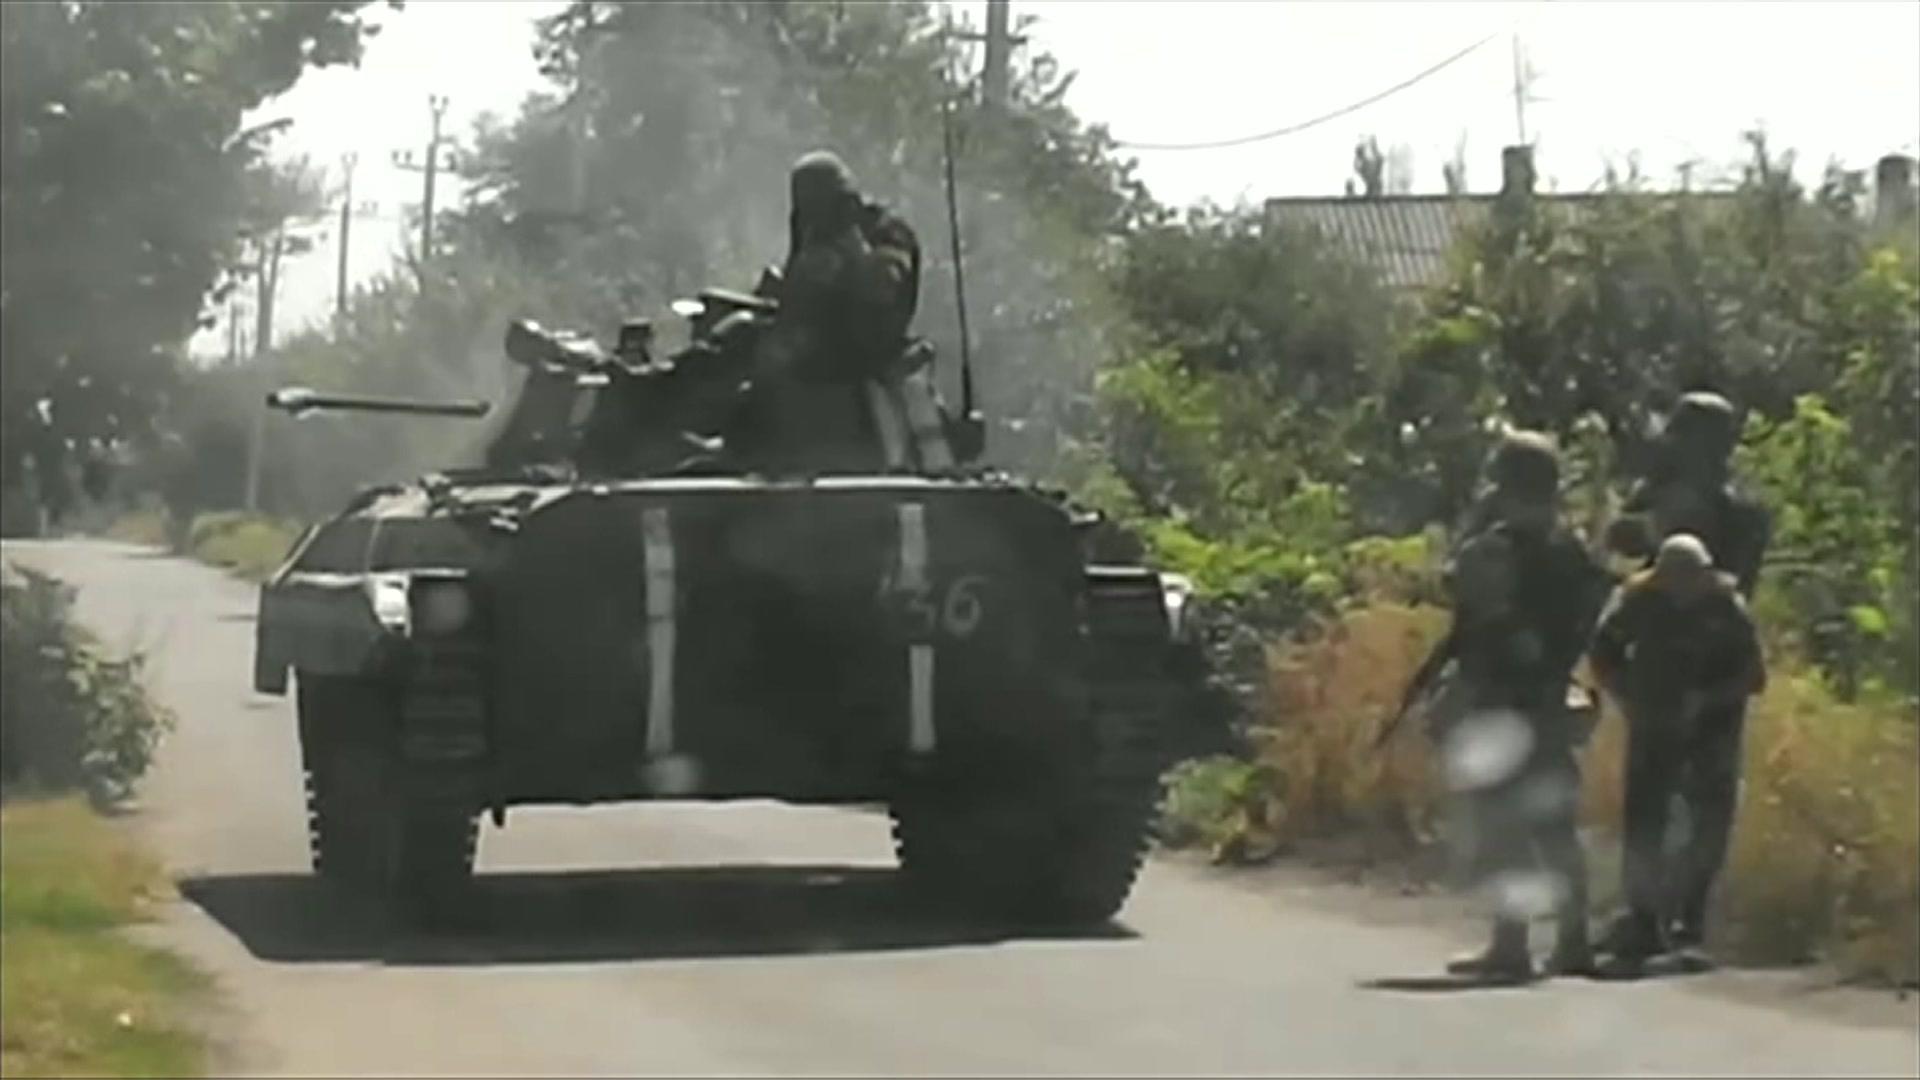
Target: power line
{"type": "Point", "coordinates": [1318, 120]}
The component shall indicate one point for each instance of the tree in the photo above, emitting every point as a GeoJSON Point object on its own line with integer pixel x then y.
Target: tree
{"type": "Point", "coordinates": [1369, 166]}
{"type": "Point", "coordinates": [1453, 173]}
{"type": "Point", "coordinates": [1399, 170]}
{"type": "Point", "coordinates": [123, 163]}
{"type": "Point", "coordinates": [282, 196]}
{"type": "Point", "coordinates": [657, 164]}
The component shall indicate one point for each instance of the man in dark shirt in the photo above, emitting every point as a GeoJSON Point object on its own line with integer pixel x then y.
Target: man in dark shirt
{"type": "Point", "coordinates": [1691, 490]}
{"type": "Point", "coordinates": [1679, 653]}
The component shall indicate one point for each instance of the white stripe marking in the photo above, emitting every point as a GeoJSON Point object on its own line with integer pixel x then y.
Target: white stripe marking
{"type": "Point", "coordinates": [920, 675]}
{"type": "Point", "coordinates": [885, 411]}
{"type": "Point", "coordinates": [660, 631]}
{"type": "Point", "coordinates": [913, 577]}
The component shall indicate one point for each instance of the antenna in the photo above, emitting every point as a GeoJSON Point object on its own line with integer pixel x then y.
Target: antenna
{"type": "Point", "coordinates": [959, 272]}
{"type": "Point", "coordinates": [1519, 88]}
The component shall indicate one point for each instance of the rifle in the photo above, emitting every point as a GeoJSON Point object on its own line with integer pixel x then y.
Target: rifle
{"type": "Point", "coordinates": [1429, 670]}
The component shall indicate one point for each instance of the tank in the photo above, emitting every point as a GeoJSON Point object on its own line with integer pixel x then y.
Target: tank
{"type": "Point", "coordinates": [620, 605]}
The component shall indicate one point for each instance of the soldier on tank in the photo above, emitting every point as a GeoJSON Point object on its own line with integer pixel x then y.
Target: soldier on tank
{"type": "Point", "coordinates": [1690, 491]}
{"type": "Point", "coordinates": [1679, 653]}
{"type": "Point", "coordinates": [1524, 596]}
{"type": "Point", "coordinates": [847, 294]}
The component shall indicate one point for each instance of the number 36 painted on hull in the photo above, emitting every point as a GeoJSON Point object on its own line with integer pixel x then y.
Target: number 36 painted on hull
{"type": "Point", "coordinates": [954, 609]}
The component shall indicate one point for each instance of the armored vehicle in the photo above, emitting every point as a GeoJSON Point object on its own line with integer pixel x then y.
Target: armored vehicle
{"type": "Point", "coordinates": [617, 606]}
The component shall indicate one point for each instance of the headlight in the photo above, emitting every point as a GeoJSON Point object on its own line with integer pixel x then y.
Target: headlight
{"type": "Point", "coordinates": [1177, 592]}
{"type": "Point", "coordinates": [388, 595]}
{"type": "Point", "coordinates": [442, 607]}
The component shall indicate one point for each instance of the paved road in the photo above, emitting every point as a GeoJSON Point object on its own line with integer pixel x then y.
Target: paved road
{"type": "Point", "coordinates": [753, 939]}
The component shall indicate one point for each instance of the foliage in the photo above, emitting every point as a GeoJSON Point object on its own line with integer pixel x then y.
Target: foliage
{"type": "Point", "coordinates": [1833, 582]}
{"type": "Point", "coordinates": [149, 526]}
{"type": "Point", "coordinates": [1826, 859]}
{"type": "Point", "coordinates": [77, 998]}
{"type": "Point", "coordinates": [73, 716]}
{"type": "Point", "coordinates": [1826, 843]}
{"type": "Point", "coordinates": [106, 267]}
{"type": "Point", "coordinates": [1603, 308]}
{"type": "Point", "coordinates": [248, 545]}
{"type": "Point", "coordinates": [1221, 804]}
{"type": "Point", "coordinates": [658, 163]}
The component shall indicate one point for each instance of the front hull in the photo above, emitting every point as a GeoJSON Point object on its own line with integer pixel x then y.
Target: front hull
{"type": "Point", "coordinates": [812, 643]}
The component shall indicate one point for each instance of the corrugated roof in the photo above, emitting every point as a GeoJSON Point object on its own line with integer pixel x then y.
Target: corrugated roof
{"type": "Point", "coordinates": [1407, 237]}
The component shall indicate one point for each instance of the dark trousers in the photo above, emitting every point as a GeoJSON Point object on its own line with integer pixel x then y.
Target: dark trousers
{"type": "Point", "coordinates": [1701, 763]}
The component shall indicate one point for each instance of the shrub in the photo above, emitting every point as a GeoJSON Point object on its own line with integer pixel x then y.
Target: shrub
{"type": "Point", "coordinates": [249, 545]}
{"type": "Point", "coordinates": [71, 717]}
{"type": "Point", "coordinates": [1826, 856]}
{"type": "Point", "coordinates": [1826, 849]}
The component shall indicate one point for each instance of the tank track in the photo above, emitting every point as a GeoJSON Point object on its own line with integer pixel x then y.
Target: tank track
{"type": "Point", "coordinates": [374, 824]}
{"type": "Point", "coordinates": [1064, 846]}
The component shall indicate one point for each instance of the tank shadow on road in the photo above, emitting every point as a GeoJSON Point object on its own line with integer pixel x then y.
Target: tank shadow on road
{"type": "Point", "coordinates": [597, 916]}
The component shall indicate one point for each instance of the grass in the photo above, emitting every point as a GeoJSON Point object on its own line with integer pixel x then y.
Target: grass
{"type": "Point", "coordinates": [147, 526]}
{"type": "Point", "coordinates": [1826, 855]}
{"type": "Point", "coordinates": [77, 997]}
{"type": "Point", "coordinates": [250, 546]}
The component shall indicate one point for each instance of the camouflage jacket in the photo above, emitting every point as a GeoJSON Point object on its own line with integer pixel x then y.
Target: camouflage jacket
{"type": "Point", "coordinates": [1650, 649]}
{"type": "Point", "coordinates": [849, 298]}
{"type": "Point", "coordinates": [1735, 527]}
{"type": "Point", "coordinates": [1523, 606]}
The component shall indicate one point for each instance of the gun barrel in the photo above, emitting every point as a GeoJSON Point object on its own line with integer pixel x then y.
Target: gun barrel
{"type": "Point", "coordinates": [299, 400]}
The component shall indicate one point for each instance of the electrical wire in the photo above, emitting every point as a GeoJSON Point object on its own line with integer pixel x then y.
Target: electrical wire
{"type": "Point", "coordinates": [1290, 129]}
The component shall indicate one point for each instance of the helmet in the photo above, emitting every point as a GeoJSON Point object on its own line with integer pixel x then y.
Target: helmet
{"type": "Point", "coordinates": [1526, 464]}
{"type": "Point", "coordinates": [820, 185]}
{"type": "Point", "coordinates": [1705, 420]}
{"type": "Point", "coordinates": [1683, 553]}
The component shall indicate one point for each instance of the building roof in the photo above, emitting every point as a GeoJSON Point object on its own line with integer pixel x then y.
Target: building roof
{"type": "Point", "coordinates": [1406, 238]}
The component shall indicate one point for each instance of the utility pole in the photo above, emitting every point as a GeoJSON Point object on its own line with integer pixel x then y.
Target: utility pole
{"type": "Point", "coordinates": [430, 165]}
{"type": "Point", "coordinates": [347, 161]}
{"type": "Point", "coordinates": [994, 80]}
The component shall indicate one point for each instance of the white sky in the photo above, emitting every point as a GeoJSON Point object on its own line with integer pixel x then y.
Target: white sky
{"type": "Point", "coordinates": [1671, 81]}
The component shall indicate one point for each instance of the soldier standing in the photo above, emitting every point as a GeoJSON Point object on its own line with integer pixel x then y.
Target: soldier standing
{"type": "Point", "coordinates": [1677, 650]}
{"type": "Point", "coordinates": [1525, 593]}
{"type": "Point", "coordinates": [1690, 491]}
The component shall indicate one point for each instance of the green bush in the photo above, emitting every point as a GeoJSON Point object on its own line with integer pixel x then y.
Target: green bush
{"type": "Point", "coordinates": [71, 716]}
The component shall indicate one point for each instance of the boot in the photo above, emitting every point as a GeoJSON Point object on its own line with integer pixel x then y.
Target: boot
{"type": "Point", "coordinates": [1505, 959]}
{"type": "Point", "coordinates": [1689, 930]}
{"type": "Point", "coordinates": [1572, 951]}
{"type": "Point", "coordinates": [1687, 934]}
{"type": "Point", "coordinates": [1634, 938]}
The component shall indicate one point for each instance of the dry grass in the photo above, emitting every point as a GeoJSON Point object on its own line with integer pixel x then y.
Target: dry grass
{"type": "Point", "coordinates": [1826, 858]}
{"type": "Point", "coordinates": [147, 526]}
{"type": "Point", "coordinates": [77, 998]}
{"type": "Point", "coordinates": [1331, 695]}
{"type": "Point", "coordinates": [248, 545]}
